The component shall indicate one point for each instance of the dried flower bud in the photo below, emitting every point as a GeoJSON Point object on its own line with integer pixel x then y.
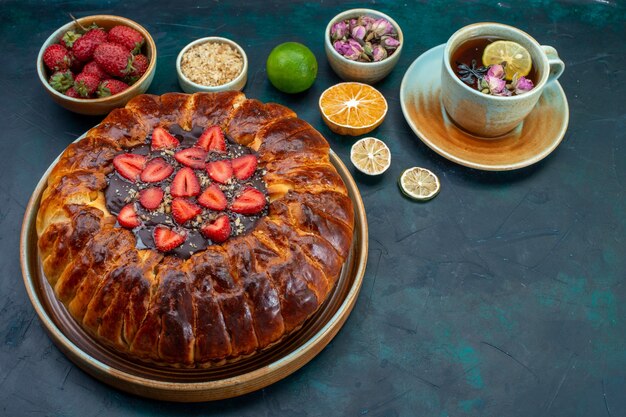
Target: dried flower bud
{"type": "Point", "coordinates": [505, 92]}
{"type": "Point", "coordinates": [341, 47]}
{"type": "Point", "coordinates": [379, 53]}
{"type": "Point", "coordinates": [367, 22]}
{"type": "Point", "coordinates": [359, 32]}
{"type": "Point", "coordinates": [496, 86]}
{"type": "Point", "coordinates": [367, 48]}
{"type": "Point", "coordinates": [367, 52]}
{"type": "Point", "coordinates": [496, 71]}
{"type": "Point", "coordinates": [382, 27]}
{"type": "Point", "coordinates": [521, 85]}
{"type": "Point", "coordinates": [339, 31]}
{"type": "Point", "coordinates": [354, 50]}
{"type": "Point", "coordinates": [389, 43]}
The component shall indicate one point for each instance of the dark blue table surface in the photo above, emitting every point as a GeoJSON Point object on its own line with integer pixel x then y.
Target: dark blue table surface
{"type": "Point", "coordinates": [503, 296]}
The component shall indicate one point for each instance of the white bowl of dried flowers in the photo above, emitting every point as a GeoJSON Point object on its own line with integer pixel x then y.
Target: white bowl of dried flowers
{"type": "Point", "coordinates": [363, 45]}
{"type": "Point", "coordinates": [212, 64]}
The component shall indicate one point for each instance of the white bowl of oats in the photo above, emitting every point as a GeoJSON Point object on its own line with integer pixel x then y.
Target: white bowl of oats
{"type": "Point", "coordinates": [212, 64]}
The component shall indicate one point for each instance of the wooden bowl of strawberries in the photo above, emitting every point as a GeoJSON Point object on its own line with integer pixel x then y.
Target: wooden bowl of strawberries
{"type": "Point", "coordinates": [97, 63]}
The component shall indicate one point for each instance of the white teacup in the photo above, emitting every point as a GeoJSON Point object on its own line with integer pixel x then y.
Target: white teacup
{"type": "Point", "coordinates": [490, 116]}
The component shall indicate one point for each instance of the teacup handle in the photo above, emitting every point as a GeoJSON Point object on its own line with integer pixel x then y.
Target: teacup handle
{"type": "Point", "coordinates": [556, 65]}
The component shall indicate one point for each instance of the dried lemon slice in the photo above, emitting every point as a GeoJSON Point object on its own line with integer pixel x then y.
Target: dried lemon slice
{"type": "Point", "coordinates": [370, 156]}
{"type": "Point", "coordinates": [419, 183]}
{"type": "Point", "coordinates": [352, 108]}
{"type": "Point", "coordinates": [517, 58]}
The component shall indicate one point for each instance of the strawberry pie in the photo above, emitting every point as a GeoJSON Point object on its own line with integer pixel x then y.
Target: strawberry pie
{"type": "Point", "coordinates": [194, 230]}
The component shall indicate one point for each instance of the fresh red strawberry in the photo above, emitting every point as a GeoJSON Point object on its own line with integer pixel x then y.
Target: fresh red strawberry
{"type": "Point", "coordinates": [92, 67]}
{"type": "Point", "coordinates": [250, 201]}
{"type": "Point", "coordinates": [128, 217]}
{"type": "Point", "coordinates": [85, 46]}
{"type": "Point", "coordinates": [218, 230]}
{"type": "Point", "coordinates": [156, 170]}
{"type": "Point", "coordinates": [191, 157]}
{"type": "Point", "coordinates": [71, 92]}
{"type": "Point", "coordinates": [96, 32]}
{"type": "Point", "coordinates": [212, 139]}
{"type": "Point", "coordinates": [140, 66]}
{"type": "Point", "coordinates": [61, 80]}
{"type": "Point", "coordinates": [166, 239]}
{"type": "Point", "coordinates": [86, 84]}
{"type": "Point", "coordinates": [129, 165]}
{"type": "Point", "coordinates": [57, 57]}
{"type": "Point", "coordinates": [185, 183]}
{"type": "Point", "coordinates": [113, 58]}
{"type": "Point", "coordinates": [151, 197]}
{"type": "Point", "coordinates": [128, 37]}
{"type": "Point", "coordinates": [213, 198]}
{"type": "Point", "coordinates": [162, 139]}
{"type": "Point", "coordinates": [69, 38]}
{"type": "Point", "coordinates": [76, 66]}
{"type": "Point", "coordinates": [111, 87]}
{"type": "Point", "coordinates": [244, 166]}
{"type": "Point", "coordinates": [220, 171]}
{"type": "Point", "coordinates": [184, 210]}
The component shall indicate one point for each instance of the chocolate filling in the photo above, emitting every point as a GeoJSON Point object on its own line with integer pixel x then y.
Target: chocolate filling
{"type": "Point", "coordinates": [120, 192]}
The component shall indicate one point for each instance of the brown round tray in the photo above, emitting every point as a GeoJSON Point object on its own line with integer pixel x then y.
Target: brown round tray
{"type": "Point", "coordinates": [190, 385]}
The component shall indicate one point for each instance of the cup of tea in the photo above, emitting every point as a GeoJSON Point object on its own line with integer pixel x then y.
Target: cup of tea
{"type": "Point", "coordinates": [491, 100]}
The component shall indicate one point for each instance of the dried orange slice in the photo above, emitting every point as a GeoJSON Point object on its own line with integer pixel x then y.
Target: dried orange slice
{"type": "Point", "coordinates": [352, 108]}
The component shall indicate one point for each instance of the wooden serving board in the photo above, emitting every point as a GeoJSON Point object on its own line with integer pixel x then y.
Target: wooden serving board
{"type": "Point", "coordinates": [193, 385]}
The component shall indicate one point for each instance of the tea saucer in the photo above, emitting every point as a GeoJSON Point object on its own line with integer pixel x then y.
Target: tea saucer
{"type": "Point", "coordinates": [539, 134]}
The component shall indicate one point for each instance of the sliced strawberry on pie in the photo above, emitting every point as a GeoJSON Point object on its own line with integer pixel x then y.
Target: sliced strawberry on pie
{"type": "Point", "coordinates": [129, 165]}
{"type": "Point", "coordinates": [156, 170]}
{"type": "Point", "coordinates": [191, 157]}
{"type": "Point", "coordinates": [212, 140]}
{"type": "Point", "coordinates": [128, 217]}
{"type": "Point", "coordinates": [162, 139]}
{"type": "Point", "coordinates": [185, 183]}
{"type": "Point", "coordinates": [220, 171]}
{"type": "Point", "coordinates": [151, 198]}
{"type": "Point", "coordinates": [218, 230]}
{"type": "Point", "coordinates": [250, 201]}
{"type": "Point", "coordinates": [213, 198]}
{"type": "Point", "coordinates": [166, 239]}
{"type": "Point", "coordinates": [244, 166]}
{"type": "Point", "coordinates": [184, 210]}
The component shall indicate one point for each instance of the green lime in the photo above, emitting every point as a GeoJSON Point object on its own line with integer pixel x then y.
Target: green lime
{"type": "Point", "coordinates": [291, 67]}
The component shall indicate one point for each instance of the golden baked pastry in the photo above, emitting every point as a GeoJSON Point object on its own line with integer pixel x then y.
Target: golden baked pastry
{"type": "Point", "coordinates": [212, 302]}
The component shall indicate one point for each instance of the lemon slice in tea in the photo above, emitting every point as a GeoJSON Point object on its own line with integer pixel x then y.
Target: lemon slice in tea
{"type": "Point", "coordinates": [352, 108]}
{"type": "Point", "coordinates": [370, 156]}
{"type": "Point", "coordinates": [419, 184]}
{"type": "Point", "coordinates": [517, 58]}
